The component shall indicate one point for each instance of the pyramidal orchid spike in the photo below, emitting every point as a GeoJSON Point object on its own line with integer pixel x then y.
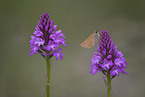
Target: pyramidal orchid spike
{"type": "Point", "coordinates": [108, 58]}
{"type": "Point", "coordinates": [46, 39]}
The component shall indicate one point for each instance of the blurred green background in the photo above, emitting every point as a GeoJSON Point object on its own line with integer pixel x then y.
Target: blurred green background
{"type": "Point", "coordinates": [24, 76]}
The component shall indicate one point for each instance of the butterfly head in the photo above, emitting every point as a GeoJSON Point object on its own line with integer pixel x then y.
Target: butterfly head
{"type": "Point", "coordinates": [97, 34]}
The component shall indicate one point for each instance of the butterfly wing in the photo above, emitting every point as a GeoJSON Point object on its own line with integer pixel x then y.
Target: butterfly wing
{"type": "Point", "coordinates": [89, 42]}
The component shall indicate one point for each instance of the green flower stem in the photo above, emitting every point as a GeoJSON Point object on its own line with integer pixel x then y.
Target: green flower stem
{"type": "Point", "coordinates": [48, 76]}
{"type": "Point", "coordinates": [108, 84]}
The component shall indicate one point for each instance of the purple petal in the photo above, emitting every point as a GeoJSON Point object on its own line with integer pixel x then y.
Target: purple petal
{"type": "Point", "coordinates": [51, 24]}
{"type": "Point", "coordinates": [58, 54]}
{"type": "Point", "coordinates": [38, 33]}
{"type": "Point", "coordinates": [51, 46]}
{"type": "Point", "coordinates": [107, 64]}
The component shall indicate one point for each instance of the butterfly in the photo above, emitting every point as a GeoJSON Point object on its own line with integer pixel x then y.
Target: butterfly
{"type": "Point", "coordinates": [91, 40]}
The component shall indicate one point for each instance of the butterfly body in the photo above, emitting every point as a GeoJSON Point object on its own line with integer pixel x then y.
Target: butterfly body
{"type": "Point", "coordinates": [91, 40]}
